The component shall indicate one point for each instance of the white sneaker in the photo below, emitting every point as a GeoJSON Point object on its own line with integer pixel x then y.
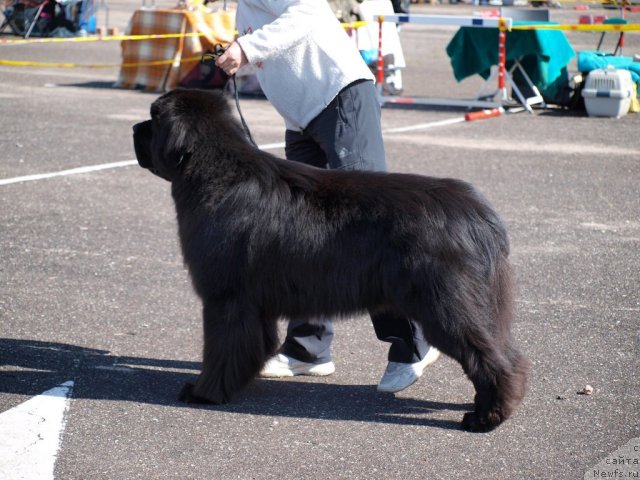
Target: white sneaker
{"type": "Point", "coordinates": [283, 366]}
{"type": "Point", "coordinates": [399, 376]}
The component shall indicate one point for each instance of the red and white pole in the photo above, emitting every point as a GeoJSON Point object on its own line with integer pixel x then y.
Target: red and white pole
{"type": "Point", "coordinates": [502, 56]}
{"type": "Point", "coordinates": [380, 64]}
{"type": "Point", "coordinates": [502, 67]}
{"type": "Point", "coordinates": [621, 41]}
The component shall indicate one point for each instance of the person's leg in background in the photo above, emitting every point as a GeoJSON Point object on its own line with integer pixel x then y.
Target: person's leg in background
{"type": "Point", "coordinates": [306, 349]}
{"type": "Point", "coordinates": [347, 135]}
{"type": "Point", "coordinates": [409, 353]}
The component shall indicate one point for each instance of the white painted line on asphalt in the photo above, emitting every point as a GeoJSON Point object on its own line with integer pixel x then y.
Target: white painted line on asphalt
{"type": "Point", "coordinates": [268, 146]}
{"type": "Point", "coordinates": [423, 126]}
{"type": "Point", "coordinates": [71, 171]}
{"type": "Point", "coordinates": [116, 368]}
{"type": "Point", "coordinates": [31, 434]}
{"type": "Point", "coordinates": [271, 146]}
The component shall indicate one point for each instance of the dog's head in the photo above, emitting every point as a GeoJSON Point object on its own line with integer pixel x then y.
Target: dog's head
{"type": "Point", "coordinates": [179, 119]}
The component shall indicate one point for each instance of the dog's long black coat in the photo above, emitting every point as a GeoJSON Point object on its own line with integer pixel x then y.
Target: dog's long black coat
{"type": "Point", "coordinates": [265, 238]}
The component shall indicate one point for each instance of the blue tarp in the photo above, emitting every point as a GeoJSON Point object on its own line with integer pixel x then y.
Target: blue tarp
{"type": "Point", "coordinates": [593, 60]}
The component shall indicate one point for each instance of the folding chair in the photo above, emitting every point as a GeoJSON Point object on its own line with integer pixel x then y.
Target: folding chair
{"type": "Point", "coordinates": [77, 14]}
{"type": "Point", "coordinates": [24, 17]}
{"type": "Point", "coordinates": [620, 43]}
{"type": "Point", "coordinates": [8, 15]}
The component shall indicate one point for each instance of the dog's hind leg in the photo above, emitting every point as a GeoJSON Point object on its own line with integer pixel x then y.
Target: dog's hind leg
{"type": "Point", "coordinates": [237, 343]}
{"type": "Point", "coordinates": [473, 328]}
{"type": "Point", "coordinates": [493, 363]}
{"type": "Point", "coordinates": [498, 373]}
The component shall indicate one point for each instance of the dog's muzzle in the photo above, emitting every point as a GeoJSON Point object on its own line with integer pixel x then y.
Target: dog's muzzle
{"type": "Point", "coordinates": [141, 143]}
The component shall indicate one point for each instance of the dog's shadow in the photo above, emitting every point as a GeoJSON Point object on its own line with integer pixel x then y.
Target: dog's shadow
{"type": "Point", "coordinates": [30, 367]}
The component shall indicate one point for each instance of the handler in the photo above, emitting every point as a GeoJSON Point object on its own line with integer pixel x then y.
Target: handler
{"type": "Point", "coordinates": [314, 76]}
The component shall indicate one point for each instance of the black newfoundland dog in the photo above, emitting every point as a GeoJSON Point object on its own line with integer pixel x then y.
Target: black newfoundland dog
{"type": "Point", "coordinates": [265, 238]}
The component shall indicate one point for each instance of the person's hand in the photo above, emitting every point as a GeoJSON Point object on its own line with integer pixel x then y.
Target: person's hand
{"type": "Point", "coordinates": [231, 60]}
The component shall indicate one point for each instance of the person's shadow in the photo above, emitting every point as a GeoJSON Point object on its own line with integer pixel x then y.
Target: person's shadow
{"type": "Point", "coordinates": [31, 367]}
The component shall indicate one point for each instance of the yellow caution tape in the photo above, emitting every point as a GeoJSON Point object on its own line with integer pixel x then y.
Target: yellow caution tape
{"type": "Point", "coordinates": [102, 38]}
{"type": "Point", "coordinates": [21, 63]}
{"type": "Point", "coordinates": [348, 26]}
{"type": "Point", "coordinates": [120, 38]}
{"type": "Point", "coordinates": [612, 3]}
{"type": "Point", "coordinates": [354, 25]}
{"type": "Point", "coordinates": [629, 27]}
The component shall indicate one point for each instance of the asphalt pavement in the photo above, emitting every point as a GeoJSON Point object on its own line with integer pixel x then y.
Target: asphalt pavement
{"type": "Point", "coordinates": [93, 289]}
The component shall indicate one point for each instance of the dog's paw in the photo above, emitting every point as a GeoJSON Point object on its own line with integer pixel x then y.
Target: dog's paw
{"type": "Point", "coordinates": [472, 422]}
{"type": "Point", "coordinates": [187, 395]}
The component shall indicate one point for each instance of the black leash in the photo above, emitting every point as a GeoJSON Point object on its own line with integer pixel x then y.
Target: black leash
{"type": "Point", "coordinates": [209, 58]}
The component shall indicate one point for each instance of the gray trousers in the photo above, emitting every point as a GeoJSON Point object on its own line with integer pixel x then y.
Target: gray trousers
{"type": "Point", "coordinates": [346, 135]}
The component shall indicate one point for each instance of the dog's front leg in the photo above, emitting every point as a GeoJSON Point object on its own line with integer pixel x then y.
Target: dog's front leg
{"type": "Point", "coordinates": [237, 343]}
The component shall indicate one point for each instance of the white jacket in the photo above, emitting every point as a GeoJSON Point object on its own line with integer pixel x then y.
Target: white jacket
{"type": "Point", "coordinates": [302, 54]}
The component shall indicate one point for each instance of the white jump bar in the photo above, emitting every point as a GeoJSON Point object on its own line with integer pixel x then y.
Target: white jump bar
{"type": "Point", "coordinates": [460, 21]}
{"type": "Point", "coordinates": [443, 102]}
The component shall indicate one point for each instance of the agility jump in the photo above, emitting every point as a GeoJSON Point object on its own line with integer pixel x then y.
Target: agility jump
{"type": "Point", "coordinates": [491, 108]}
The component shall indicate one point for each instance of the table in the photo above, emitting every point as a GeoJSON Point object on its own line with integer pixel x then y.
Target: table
{"type": "Point", "coordinates": [544, 55]}
{"type": "Point", "coordinates": [179, 54]}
